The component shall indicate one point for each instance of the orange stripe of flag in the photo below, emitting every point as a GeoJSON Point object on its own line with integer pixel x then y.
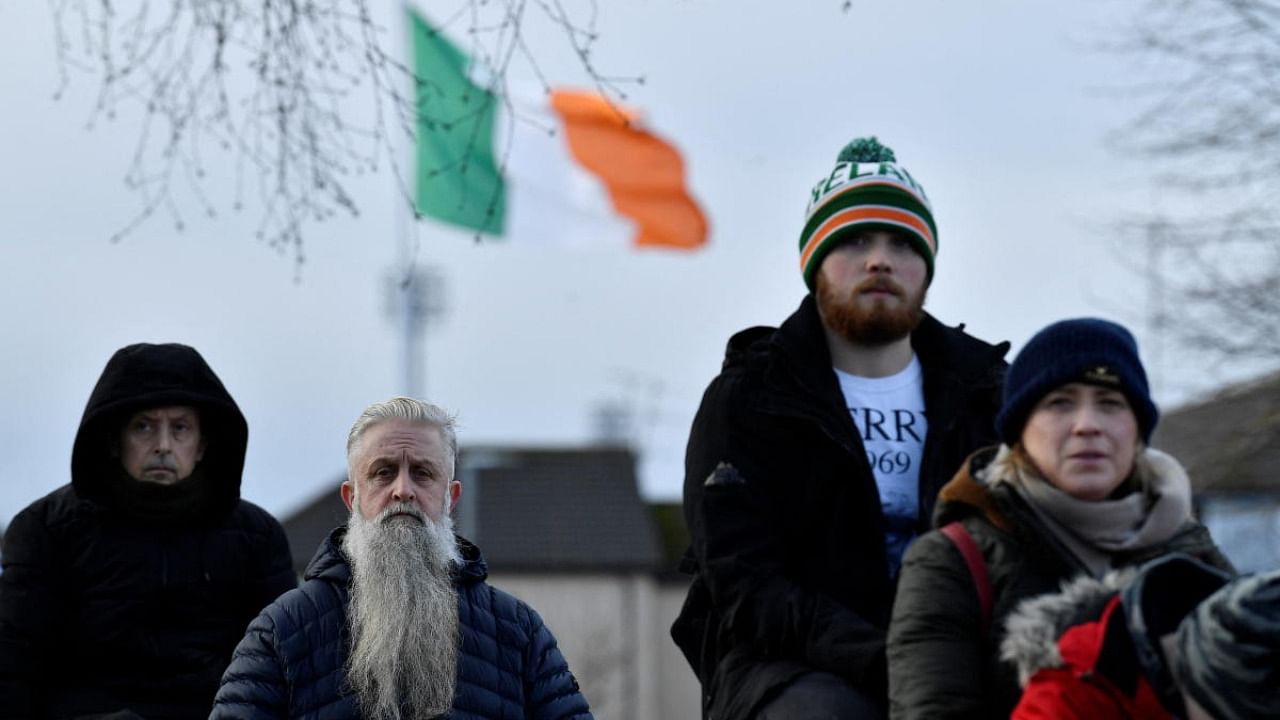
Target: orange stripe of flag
{"type": "Point", "coordinates": [643, 173]}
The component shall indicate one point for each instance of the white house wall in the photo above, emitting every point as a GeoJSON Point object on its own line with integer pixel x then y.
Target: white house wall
{"type": "Point", "coordinates": [613, 630]}
{"type": "Point", "coordinates": [1246, 528]}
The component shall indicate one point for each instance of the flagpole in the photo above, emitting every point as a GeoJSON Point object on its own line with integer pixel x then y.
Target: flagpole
{"type": "Point", "coordinates": [403, 275]}
{"type": "Point", "coordinates": [411, 323]}
{"type": "Point", "coordinates": [415, 288]}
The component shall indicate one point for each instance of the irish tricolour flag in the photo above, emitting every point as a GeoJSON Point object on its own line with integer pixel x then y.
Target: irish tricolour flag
{"type": "Point", "coordinates": [567, 168]}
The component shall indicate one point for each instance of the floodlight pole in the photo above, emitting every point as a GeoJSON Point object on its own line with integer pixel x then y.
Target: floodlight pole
{"type": "Point", "coordinates": [415, 298]}
{"type": "Point", "coordinates": [415, 294]}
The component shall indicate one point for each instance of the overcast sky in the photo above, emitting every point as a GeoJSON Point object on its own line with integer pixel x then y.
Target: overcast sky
{"type": "Point", "coordinates": [995, 107]}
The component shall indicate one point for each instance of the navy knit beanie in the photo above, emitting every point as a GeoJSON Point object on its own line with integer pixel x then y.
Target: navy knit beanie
{"type": "Point", "coordinates": [1087, 350]}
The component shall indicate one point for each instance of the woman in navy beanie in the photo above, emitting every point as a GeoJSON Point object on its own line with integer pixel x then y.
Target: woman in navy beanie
{"type": "Point", "coordinates": [1073, 489]}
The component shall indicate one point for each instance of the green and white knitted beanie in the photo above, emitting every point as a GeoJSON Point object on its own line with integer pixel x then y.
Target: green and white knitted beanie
{"type": "Point", "coordinates": [866, 190]}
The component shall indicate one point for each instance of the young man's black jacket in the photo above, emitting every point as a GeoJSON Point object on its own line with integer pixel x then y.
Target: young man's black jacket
{"type": "Point", "coordinates": [787, 530]}
{"type": "Point", "coordinates": [120, 596]}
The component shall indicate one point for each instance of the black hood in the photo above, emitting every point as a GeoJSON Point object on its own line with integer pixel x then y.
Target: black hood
{"type": "Point", "coordinates": [144, 376]}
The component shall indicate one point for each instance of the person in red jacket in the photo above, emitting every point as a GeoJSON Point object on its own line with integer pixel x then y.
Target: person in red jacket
{"type": "Point", "coordinates": [1103, 648]}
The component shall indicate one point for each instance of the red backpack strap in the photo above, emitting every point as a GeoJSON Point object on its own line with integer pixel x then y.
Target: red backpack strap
{"type": "Point", "coordinates": [959, 536]}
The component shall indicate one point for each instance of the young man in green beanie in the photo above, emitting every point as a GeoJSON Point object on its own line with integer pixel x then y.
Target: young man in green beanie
{"type": "Point", "coordinates": [817, 453]}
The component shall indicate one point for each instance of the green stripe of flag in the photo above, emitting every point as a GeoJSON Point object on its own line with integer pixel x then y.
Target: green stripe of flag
{"type": "Point", "coordinates": [458, 180]}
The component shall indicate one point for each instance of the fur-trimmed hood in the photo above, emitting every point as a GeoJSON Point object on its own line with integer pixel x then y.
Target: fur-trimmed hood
{"type": "Point", "coordinates": [1033, 629]}
{"type": "Point", "coordinates": [1112, 627]}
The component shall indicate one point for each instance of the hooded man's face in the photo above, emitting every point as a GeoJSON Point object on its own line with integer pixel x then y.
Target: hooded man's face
{"type": "Point", "coordinates": [162, 445]}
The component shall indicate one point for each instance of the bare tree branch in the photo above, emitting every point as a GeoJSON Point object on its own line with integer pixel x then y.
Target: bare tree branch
{"type": "Point", "coordinates": [1210, 129]}
{"type": "Point", "coordinates": [306, 95]}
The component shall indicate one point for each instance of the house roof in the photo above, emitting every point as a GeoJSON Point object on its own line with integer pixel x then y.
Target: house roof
{"type": "Point", "coordinates": [1230, 441]}
{"type": "Point", "coordinates": [540, 509]}
{"type": "Point", "coordinates": [529, 509]}
{"type": "Point", "coordinates": [307, 526]}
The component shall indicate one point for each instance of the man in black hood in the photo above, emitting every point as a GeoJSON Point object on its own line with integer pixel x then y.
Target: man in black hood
{"type": "Point", "coordinates": [125, 592]}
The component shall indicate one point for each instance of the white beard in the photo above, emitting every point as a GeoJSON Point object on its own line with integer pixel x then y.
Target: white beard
{"type": "Point", "coordinates": [404, 614]}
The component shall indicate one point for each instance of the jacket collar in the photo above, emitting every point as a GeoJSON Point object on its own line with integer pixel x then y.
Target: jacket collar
{"type": "Point", "coordinates": [330, 563]}
{"type": "Point", "coordinates": [967, 493]}
{"type": "Point", "coordinates": [947, 355]}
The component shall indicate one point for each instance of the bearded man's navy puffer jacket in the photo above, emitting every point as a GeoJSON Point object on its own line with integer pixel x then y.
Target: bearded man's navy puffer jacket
{"type": "Point", "coordinates": [291, 661]}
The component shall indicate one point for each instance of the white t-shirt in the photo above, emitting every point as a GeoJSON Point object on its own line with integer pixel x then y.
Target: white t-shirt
{"type": "Point", "coordinates": [889, 415]}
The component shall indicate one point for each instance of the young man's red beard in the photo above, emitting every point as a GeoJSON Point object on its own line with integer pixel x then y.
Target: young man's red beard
{"type": "Point", "coordinates": [877, 325]}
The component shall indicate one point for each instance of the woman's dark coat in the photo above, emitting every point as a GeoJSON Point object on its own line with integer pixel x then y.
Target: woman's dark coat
{"type": "Point", "coordinates": [942, 664]}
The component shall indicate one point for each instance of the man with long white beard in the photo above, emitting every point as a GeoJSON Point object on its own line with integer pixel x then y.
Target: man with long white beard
{"type": "Point", "coordinates": [817, 454]}
{"type": "Point", "coordinates": [394, 620]}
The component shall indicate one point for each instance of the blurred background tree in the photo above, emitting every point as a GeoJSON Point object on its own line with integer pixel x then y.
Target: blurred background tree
{"type": "Point", "coordinates": [1207, 80]}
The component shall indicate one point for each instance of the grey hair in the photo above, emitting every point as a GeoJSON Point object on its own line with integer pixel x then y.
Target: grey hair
{"type": "Point", "coordinates": [406, 408]}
